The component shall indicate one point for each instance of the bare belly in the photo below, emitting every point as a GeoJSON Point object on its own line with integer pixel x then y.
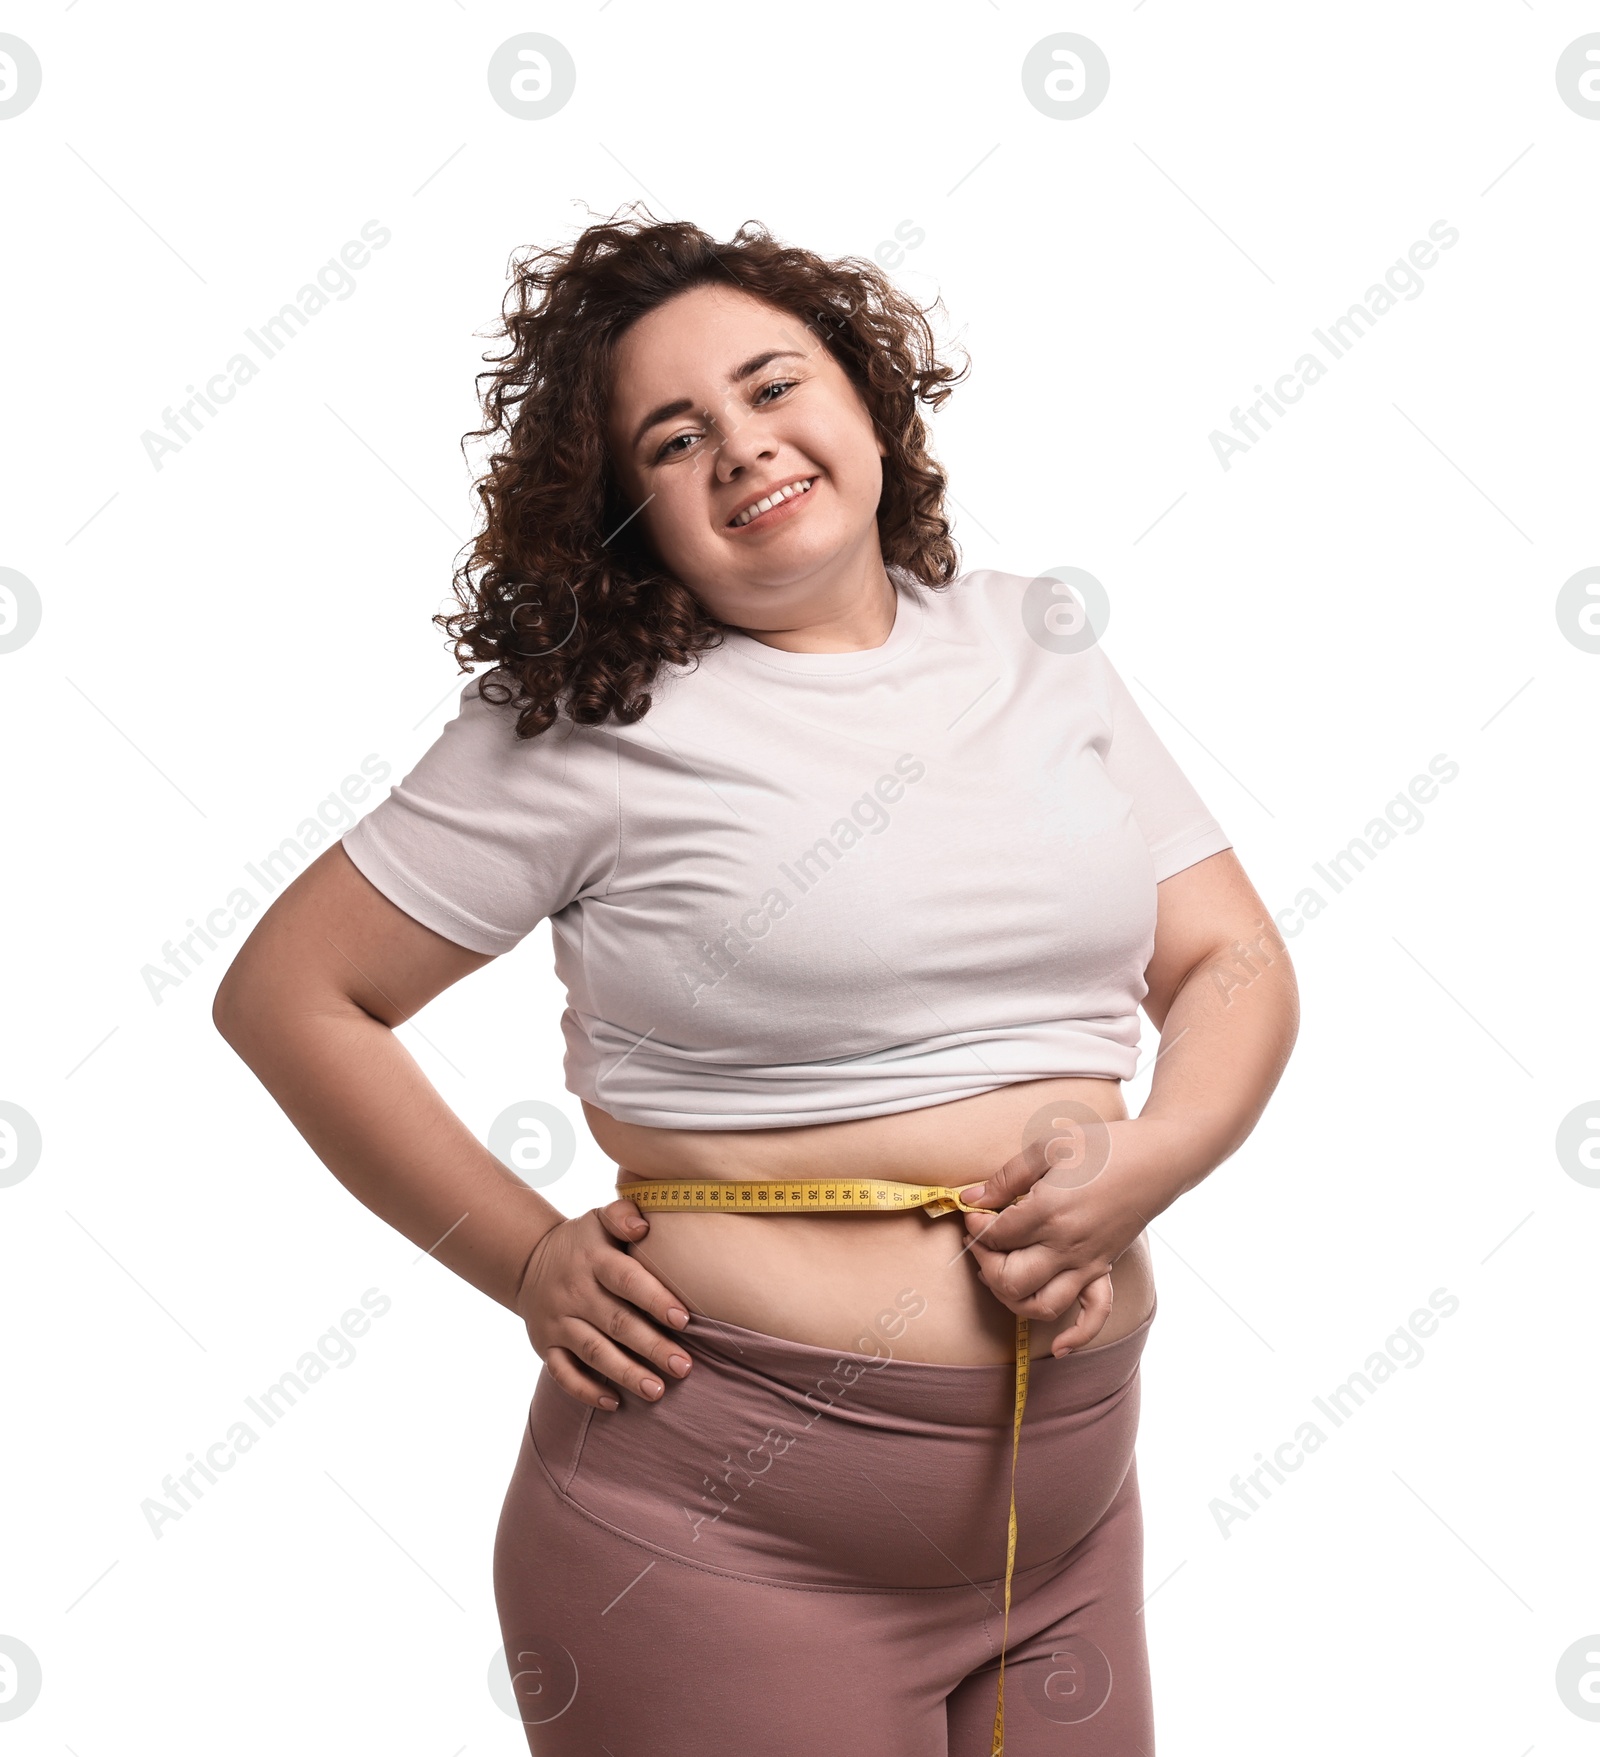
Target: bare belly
{"type": "Point", "coordinates": [846, 1280]}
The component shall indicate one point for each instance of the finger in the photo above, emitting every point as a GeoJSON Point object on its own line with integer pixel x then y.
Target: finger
{"type": "Point", "coordinates": [1073, 1153]}
{"type": "Point", "coordinates": [629, 1278]}
{"type": "Point", "coordinates": [989, 1262]}
{"type": "Point", "coordinates": [1051, 1300]}
{"type": "Point", "coordinates": [1054, 1299]}
{"type": "Point", "coordinates": [597, 1351]}
{"type": "Point", "coordinates": [623, 1219]}
{"type": "Point", "coordinates": [1095, 1302]}
{"type": "Point", "coordinates": [1003, 1278]}
{"type": "Point", "coordinates": [990, 1276]}
{"type": "Point", "coordinates": [1033, 1283]}
{"type": "Point", "coordinates": [1002, 1185]}
{"type": "Point", "coordinates": [1023, 1223]}
{"type": "Point", "coordinates": [577, 1384]}
{"type": "Point", "coordinates": [628, 1328]}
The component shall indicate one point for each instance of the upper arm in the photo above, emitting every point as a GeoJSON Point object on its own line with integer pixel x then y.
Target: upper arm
{"type": "Point", "coordinates": [331, 936]}
{"type": "Point", "coordinates": [482, 839]}
{"type": "Point", "coordinates": [1206, 908]}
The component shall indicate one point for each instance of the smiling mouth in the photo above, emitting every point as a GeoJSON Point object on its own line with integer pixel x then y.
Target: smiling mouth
{"type": "Point", "coordinates": [792, 491]}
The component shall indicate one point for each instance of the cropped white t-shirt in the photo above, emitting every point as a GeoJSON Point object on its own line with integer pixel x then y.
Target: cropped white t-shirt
{"type": "Point", "coordinates": [808, 887]}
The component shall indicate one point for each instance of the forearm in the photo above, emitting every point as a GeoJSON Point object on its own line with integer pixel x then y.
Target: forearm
{"type": "Point", "coordinates": [373, 1118]}
{"type": "Point", "coordinates": [1225, 1041]}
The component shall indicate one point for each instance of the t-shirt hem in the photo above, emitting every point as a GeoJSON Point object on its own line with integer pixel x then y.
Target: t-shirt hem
{"type": "Point", "coordinates": [1187, 852]}
{"type": "Point", "coordinates": [647, 1117]}
{"type": "Point", "coordinates": [421, 904]}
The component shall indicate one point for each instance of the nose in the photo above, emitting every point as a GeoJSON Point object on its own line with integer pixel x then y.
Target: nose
{"type": "Point", "coordinates": [742, 444]}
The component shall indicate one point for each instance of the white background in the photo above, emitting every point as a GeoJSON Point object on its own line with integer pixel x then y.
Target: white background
{"type": "Point", "coordinates": [1373, 583]}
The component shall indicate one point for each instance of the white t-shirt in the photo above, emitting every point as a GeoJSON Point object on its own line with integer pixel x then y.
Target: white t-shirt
{"type": "Point", "coordinates": [808, 887]}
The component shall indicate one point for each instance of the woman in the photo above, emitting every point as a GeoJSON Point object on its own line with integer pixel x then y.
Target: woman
{"type": "Point", "coordinates": [857, 867]}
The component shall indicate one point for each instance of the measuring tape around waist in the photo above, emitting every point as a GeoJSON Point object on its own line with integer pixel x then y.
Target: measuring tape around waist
{"type": "Point", "coordinates": [858, 1196]}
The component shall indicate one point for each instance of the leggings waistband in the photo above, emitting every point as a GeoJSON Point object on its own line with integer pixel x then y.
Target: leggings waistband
{"type": "Point", "coordinates": [946, 1394]}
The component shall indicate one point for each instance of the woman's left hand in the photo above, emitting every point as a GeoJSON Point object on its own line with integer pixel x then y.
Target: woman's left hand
{"type": "Point", "coordinates": [1062, 1223]}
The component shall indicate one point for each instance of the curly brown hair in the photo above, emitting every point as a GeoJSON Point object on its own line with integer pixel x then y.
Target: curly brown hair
{"type": "Point", "coordinates": [561, 590]}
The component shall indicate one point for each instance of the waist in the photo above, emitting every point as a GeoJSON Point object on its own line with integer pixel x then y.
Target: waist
{"type": "Point", "coordinates": [949, 1144]}
{"type": "Point", "coordinates": [817, 1277]}
{"type": "Point", "coordinates": [827, 1279]}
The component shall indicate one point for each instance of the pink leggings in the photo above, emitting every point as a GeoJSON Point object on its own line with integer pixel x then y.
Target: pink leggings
{"type": "Point", "coordinates": [796, 1551]}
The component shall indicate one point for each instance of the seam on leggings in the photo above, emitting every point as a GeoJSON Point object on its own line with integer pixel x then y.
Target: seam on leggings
{"type": "Point", "coordinates": [763, 1580]}
{"type": "Point", "coordinates": [577, 1451]}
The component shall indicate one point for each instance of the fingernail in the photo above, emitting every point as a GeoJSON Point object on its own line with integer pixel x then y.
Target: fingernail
{"type": "Point", "coordinates": [679, 1363]}
{"type": "Point", "coordinates": [651, 1387]}
{"type": "Point", "coordinates": [973, 1192]}
{"type": "Point", "coordinates": [678, 1315]}
{"type": "Point", "coordinates": [608, 1403]}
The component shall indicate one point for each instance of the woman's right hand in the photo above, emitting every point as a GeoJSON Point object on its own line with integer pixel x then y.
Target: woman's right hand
{"type": "Point", "coordinates": [582, 1296]}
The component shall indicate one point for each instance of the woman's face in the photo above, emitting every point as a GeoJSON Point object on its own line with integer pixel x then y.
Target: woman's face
{"type": "Point", "coordinates": [718, 400]}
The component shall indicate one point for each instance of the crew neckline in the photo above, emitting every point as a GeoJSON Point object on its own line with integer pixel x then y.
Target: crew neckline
{"type": "Point", "coordinates": [910, 619]}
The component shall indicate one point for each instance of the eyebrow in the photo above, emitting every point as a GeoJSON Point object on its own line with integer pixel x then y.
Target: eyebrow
{"type": "Point", "coordinates": [684, 406]}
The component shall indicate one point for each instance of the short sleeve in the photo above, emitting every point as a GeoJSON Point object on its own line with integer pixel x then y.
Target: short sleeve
{"type": "Point", "coordinates": [488, 834]}
{"type": "Point", "coordinates": [1177, 827]}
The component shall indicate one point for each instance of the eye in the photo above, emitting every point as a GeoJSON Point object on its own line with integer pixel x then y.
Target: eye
{"type": "Point", "coordinates": [668, 450]}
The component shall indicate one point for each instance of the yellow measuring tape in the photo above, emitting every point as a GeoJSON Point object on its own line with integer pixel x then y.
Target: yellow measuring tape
{"type": "Point", "coordinates": [859, 1196]}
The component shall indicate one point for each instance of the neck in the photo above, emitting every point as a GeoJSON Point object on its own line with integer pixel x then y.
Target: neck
{"type": "Point", "coordinates": [847, 619]}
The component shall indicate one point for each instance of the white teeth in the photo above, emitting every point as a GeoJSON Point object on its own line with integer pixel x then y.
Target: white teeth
{"type": "Point", "coordinates": [772, 500]}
